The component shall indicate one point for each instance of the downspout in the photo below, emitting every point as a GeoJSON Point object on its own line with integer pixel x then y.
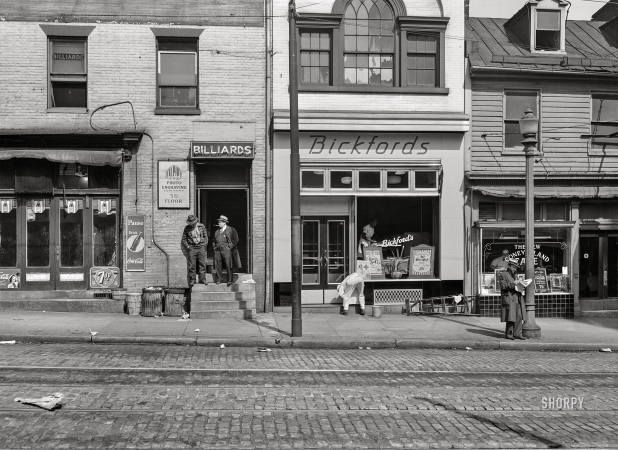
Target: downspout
{"type": "Point", "coordinates": [268, 285]}
{"type": "Point", "coordinates": [152, 190]}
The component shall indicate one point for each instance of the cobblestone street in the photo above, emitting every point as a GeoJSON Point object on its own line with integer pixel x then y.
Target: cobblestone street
{"type": "Point", "coordinates": [185, 397]}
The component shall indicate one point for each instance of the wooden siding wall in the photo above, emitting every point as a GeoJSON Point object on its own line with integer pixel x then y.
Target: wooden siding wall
{"type": "Point", "coordinates": [564, 117]}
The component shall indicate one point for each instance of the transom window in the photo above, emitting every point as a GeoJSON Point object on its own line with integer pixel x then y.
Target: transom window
{"type": "Point", "coordinates": [371, 45]}
{"type": "Point", "coordinates": [423, 181]}
{"type": "Point", "coordinates": [369, 42]}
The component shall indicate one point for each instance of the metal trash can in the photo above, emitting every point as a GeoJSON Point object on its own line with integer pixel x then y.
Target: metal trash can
{"type": "Point", "coordinates": [175, 302]}
{"type": "Point", "coordinates": [152, 301]}
{"type": "Point", "coordinates": [376, 311]}
{"type": "Point", "coordinates": [134, 303]}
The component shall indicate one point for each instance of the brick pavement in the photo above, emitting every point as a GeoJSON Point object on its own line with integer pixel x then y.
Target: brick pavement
{"type": "Point", "coordinates": [290, 398]}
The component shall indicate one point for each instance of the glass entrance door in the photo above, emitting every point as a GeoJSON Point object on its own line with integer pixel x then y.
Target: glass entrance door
{"type": "Point", "coordinates": [598, 260]}
{"type": "Point", "coordinates": [325, 252]}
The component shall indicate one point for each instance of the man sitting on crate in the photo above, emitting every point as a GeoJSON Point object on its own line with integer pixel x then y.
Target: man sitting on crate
{"type": "Point", "coordinates": [352, 286]}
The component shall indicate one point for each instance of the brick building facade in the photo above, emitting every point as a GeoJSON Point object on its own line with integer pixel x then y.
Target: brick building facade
{"type": "Point", "coordinates": [61, 65]}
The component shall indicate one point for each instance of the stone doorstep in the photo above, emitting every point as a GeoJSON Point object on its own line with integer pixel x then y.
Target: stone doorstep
{"type": "Point", "coordinates": [225, 305]}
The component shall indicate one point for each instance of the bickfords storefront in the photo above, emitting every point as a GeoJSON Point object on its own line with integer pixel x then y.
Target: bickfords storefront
{"type": "Point", "coordinates": [388, 205]}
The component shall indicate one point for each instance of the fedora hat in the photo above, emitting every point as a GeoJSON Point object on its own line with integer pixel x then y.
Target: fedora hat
{"type": "Point", "coordinates": [191, 219]}
{"type": "Point", "coordinates": [222, 218]}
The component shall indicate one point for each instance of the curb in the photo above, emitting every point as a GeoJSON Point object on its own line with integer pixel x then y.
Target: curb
{"type": "Point", "coordinates": [310, 343]}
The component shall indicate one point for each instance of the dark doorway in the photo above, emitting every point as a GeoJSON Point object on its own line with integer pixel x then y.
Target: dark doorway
{"type": "Point", "coordinates": [232, 203]}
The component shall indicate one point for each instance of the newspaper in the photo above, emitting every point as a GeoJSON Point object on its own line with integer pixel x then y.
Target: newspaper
{"type": "Point", "coordinates": [521, 285]}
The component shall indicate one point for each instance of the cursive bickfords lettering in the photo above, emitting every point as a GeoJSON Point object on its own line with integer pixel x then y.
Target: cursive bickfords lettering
{"type": "Point", "coordinates": [323, 145]}
{"type": "Point", "coordinates": [398, 240]}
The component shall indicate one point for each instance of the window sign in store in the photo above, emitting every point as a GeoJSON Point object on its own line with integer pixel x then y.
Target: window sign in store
{"type": "Point", "coordinates": [421, 261]}
{"type": "Point", "coordinates": [136, 244]}
{"type": "Point", "coordinates": [350, 146]}
{"type": "Point", "coordinates": [10, 278]}
{"type": "Point", "coordinates": [540, 280]}
{"type": "Point", "coordinates": [174, 186]}
{"type": "Point", "coordinates": [373, 256]}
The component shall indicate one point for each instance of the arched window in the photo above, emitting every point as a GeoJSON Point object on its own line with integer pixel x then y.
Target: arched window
{"type": "Point", "coordinates": [371, 45]}
{"type": "Point", "coordinates": [369, 42]}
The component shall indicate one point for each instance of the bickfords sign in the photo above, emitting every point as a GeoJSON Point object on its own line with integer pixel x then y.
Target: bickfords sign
{"type": "Point", "coordinates": [317, 145]}
{"type": "Point", "coordinates": [227, 149]}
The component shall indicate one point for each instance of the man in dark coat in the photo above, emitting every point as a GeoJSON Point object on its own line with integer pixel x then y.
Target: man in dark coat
{"type": "Point", "coordinates": [225, 243]}
{"type": "Point", "coordinates": [513, 306]}
{"type": "Point", "coordinates": [195, 239]}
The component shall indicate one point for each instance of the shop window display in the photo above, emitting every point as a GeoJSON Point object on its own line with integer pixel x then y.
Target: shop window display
{"type": "Point", "coordinates": [104, 224]}
{"type": "Point", "coordinates": [394, 226]}
{"type": "Point", "coordinates": [8, 233]}
{"type": "Point", "coordinates": [550, 257]}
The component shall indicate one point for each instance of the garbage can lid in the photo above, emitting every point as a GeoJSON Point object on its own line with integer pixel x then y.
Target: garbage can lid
{"type": "Point", "coordinates": [153, 289]}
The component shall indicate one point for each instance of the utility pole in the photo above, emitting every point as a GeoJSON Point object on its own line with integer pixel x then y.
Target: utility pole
{"type": "Point", "coordinates": [297, 321]}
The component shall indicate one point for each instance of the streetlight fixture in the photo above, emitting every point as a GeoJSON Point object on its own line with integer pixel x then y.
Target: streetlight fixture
{"type": "Point", "coordinates": [529, 126]}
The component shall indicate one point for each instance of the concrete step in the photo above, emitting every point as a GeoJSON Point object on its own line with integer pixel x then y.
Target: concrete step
{"type": "Point", "coordinates": [238, 277]}
{"type": "Point", "coordinates": [224, 314]}
{"type": "Point", "coordinates": [601, 313]}
{"type": "Point", "coordinates": [77, 295]}
{"type": "Point", "coordinates": [221, 296]}
{"type": "Point", "coordinates": [227, 306]}
{"type": "Point", "coordinates": [89, 305]}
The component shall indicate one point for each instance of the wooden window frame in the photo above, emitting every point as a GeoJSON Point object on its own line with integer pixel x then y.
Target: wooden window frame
{"type": "Point", "coordinates": [78, 78]}
{"type": "Point", "coordinates": [591, 150]}
{"type": "Point", "coordinates": [519, 149]}
{"type": "Point", "coordinates": [334, 24]}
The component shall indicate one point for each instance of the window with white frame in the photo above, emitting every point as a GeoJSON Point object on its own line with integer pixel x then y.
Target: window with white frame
{"type": "Point", "coordinates": [548, 30]}
{"type": "Point", "coordinates": [421, 180]}
{"type": "Point", "coordinates": [515, 105]}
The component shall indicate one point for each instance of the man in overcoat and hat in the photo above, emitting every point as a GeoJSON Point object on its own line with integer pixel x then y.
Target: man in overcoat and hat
{"type": "Point", "coordinates": [225, 243]}
{"type": "Point", "coordinates": [513, 305]}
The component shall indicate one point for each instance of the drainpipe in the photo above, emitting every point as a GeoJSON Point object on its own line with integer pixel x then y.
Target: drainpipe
{"type": "Point", "coordinates": [268, 285]}
{"type": "Point", "coordinates": [152, 190]}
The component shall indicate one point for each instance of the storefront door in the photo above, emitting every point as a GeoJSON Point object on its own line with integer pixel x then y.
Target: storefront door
{"type": "Point", "coordinates": [325, 252]}
{"type": "Point", "coordinates": [598, 259]}
{"type": "Point", "coordinates": [50, 243]}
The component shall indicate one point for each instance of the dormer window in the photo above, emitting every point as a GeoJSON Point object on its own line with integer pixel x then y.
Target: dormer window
{"type": "Point", "coordinates": [548, 28]}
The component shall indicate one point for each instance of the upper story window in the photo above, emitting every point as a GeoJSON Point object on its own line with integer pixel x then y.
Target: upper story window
{"type": "Point", "coordinates": [371, 45]}
{"type": "Point", "coordinates": [177, 73]}
{"type": "Point", "coordinates": [548, 29]}
{"type": "Point", "coordinates": [177, 70]}
{"type": "Point", "coordinates": [68, 73]}
{"type": "Point", "coordinates": [515, 104]}
{"type": "Point", "coordinates": [604, 122]}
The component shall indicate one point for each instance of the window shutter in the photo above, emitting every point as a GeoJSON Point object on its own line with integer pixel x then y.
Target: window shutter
{"type": "Point", "coordinates": [487, 211]}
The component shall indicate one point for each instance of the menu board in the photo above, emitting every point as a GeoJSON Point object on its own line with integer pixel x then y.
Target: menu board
{"type": "Point", "coordinates": [540, 280]}
{"type": "Point", "coordinates": [421, 261]}
{"type": "Point", "coordinates": [363, 269]}
{"type": "Point", "coordinates": [373, 256]}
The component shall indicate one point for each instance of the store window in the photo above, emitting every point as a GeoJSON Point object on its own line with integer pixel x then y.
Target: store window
{"type": "Point", "coordinates": [71, 232]}
{"type": "Point", "coordinates": [376, 47]}
{"type": "Point", "coordinates": [79, 176]}
{"type": "Point", "coordinates": [37, 233]}
{"type": "Point", "coordinates": [551, 257]}
{"type": "Point", "coordinates": [177, 73]}
{"type": "Point", "coordinates": [515, 105]}
{"type": "Point", "coordinates": [8, 232]}
{"type": "Point", "coordinates": [604, 122]}
{"type": "Point", "coordinates": [400, 226]}
{"type": "Point", "coordinates": [368, 181]}
{"type": "Point", "coordinates": [68, 73]}
{"type": "Point", "coordinates": [105, 231]}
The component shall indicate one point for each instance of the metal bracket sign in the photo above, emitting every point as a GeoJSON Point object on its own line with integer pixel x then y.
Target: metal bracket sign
{"type": "Point", "coordinates": [136, 244]}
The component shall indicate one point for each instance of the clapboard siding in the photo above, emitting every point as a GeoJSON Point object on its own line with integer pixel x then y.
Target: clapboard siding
{"type": "Point", "coordinates": [564, 115]}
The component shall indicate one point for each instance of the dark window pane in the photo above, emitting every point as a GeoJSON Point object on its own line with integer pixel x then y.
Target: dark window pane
{"type": "Point", "coordinates": [341, 180]}
{"type": "Point", "coordinates": [178, 96]}
{"type": "Point", "coordinates": [311, 252]}
{"type": "Point", "coordinates": [555, 211]}
{"type": "Point", "coordinates": [7, 174]}
{"type": "Point", "coordinates": [368, 180]}
{"type": "Point", "coordinates": [425, 180]}
{"type": "Point", "coordinates": [104, 217]}
{"type": "Point", "coordinates": [68, 57]}
{"type": "Point", "coordinates": [397, 179]}
{"type": "Point", "coordinates": [312, 180]}
{"type": "Point", "coordinates": [68, 95]}
{"type": "Point", "coordinates": [177, 69]}
{"type": "Point", "coordinates": [8, 232]}
{"type": "Point", "coordinates": [177, 45]}
{"type": "Point", "coordinates": [547, 40]}
{"type": "Point", "coordinates": [512, 135]}
{"type": "Point", "coordinates": [103, 177]}
{"type": "Point", "coordinates": [513, 211]}
{"type": "Point", "coordinates": [37, 233]}
{"type": "Point", "coordinates": [71, 233]}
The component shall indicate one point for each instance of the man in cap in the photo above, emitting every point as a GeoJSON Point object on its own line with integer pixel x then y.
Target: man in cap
{"type": "Point", "coordinates": [225, 243]}
{"type": "Point", "coordinates": [195, 239]}
{"type": "Point", "coordinates": [513, 306]}
{"type": "Point", "coordinates": [501, 262]}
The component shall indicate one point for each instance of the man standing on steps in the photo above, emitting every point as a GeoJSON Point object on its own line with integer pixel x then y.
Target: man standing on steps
{"type": "Point", "coordinates": [225, 242]}
{"type": "Point", "coordinates": [195, 239]}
